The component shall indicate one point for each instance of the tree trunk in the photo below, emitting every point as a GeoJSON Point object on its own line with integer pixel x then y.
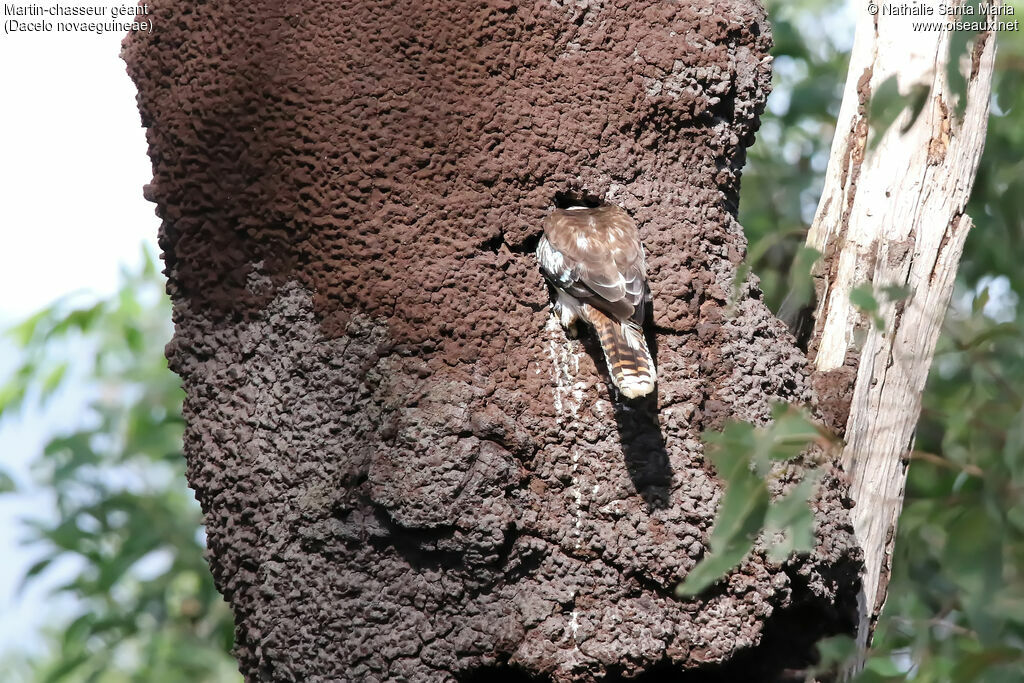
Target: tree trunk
{"type": "Point", "coordinates": [407, 471]}
{"type": "Point", "coordinates": [892, 216]}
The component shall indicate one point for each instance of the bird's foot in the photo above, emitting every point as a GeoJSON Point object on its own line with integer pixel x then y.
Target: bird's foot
{"type": "Point", "coordinates": [568, 319]}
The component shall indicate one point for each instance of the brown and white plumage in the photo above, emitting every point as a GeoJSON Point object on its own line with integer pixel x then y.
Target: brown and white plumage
{"type": "Point", "coordinates": [594, 259]}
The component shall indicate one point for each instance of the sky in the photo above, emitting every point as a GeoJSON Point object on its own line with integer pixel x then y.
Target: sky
{"type": "Point", "coordinates": [72, 166]}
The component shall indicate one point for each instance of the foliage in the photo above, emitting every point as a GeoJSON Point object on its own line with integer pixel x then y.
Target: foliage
{"type": "Point", "coordinates": [955, 609]}
{"type": "Point", "coordinates": [784, 173]}
{"type": "Point", "coordinates": [869, 299]}
{"type": "Point", "coordinates": [887, 104]}
{"type": "Point", "coordinates": [994, 247]}
{"type": "Point", "coordinates": [148, 609]}
{"type": "Point", "coordinates": [744, 456]}
{"type": "Point", "coordinates": [956, 601]}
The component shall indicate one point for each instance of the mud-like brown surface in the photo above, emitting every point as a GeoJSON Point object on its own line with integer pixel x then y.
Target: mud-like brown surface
{"type": "Point", "coordinates": [407, 472]}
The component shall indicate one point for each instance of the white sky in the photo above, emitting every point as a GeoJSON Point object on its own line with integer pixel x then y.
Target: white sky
{"type": "Point", "coordinates": [72, 166]}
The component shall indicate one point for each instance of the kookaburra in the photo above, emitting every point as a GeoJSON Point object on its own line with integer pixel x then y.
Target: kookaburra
{"type": "Point", "coordinates": [593, 257]}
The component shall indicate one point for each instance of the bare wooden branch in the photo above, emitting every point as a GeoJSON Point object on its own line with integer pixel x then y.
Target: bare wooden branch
{"type": "Point", "coordinates": [892, 214]}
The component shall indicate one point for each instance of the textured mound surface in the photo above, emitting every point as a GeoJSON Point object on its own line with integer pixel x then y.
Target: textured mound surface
{"type": "Point", "coordinates": [407, 471]}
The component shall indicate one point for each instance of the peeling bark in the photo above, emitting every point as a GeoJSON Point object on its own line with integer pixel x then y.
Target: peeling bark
{"type": "Point", "coordinates": [407, 472]}
{"type": "Point", "coordinates": [893, 216]}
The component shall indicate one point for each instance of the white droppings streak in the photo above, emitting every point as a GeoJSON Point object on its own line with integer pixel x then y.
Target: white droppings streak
{"type": "Point", "coordinates": [564, 366]}
{"type": "Point", "coordinates": [568, 397]}
{"type": "Point", "coordinates": [559, 367]}
{"type": "Point", "coordinates": [577, 496]}
{"type": "Point", "coordinates": [572, 635]}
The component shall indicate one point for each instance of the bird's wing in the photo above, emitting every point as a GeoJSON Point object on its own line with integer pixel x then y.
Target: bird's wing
{"type": "Point", "coordinates": [596, 256]}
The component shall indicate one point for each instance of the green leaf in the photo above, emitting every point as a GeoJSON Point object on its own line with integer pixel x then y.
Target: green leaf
{"type": "Point", "coordinates": [134, 338]}
{"type": "Point", "coordinates": [790, 432]}
{"type": "Point", "coordinates": [992, 332]}
{"type": "Point", "coordinates": [1013, 447]}
{"type": "Point", "coordinates": [66, 666]}
{"type": "Point", "coordinates": [863, 297]}
{"type": "Point", "coordinates": [23, 333]}
{"type": "Point", "coordinates": [834, 652]}
{"type": "Point", "coordinates": [52, 380]}
{"type": "Point", "coordinates": [37, 568]}
{"type": "Point", "coordinates": [741, 514]}
{"type": "Point", "coordinates": [971, 666]}
{"type": "Point", "coordinates": [118, 487]}
{"type": "Point", "coordinates": [78, 630]}
{"type": "Point", "coordinates": [713, 568]}
{"type": "Point", "coordinates": [980, 301]}
{"type": "Point", "coordinates": [738, 280]}
{"type": "Point", "coordinates": [79, 320]}
{"type": "Point", "coordinates": [895, 293]}
{"type": "Point", "coordinates": [960, 41]}
{"type": "Point", "coordinates": [738, 452]}
{"type": "Point", "coordinates": [740, 518]}
{"type": "Point", "coordinates": [12, 395]}
{"type": "Point", "coordinates": [7, 484]}
{"type": "Point", "coordinates": [916, 101]}
{"type": "Point", "coordinates": [792, 514]}
{"type": "Point", "coordinates": [887, 104]}
{"type": "Point", "coordinates": [885, 667]}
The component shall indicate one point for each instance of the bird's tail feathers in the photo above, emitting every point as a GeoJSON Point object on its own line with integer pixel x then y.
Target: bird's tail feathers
{"type": "Point", "coordinates": [625, 353]}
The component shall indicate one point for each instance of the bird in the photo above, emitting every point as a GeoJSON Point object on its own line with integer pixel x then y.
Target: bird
{"type": "Point", "coordinates": [594, 260]}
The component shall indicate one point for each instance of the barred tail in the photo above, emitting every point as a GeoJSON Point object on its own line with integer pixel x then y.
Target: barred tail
{"type": "Point", "coordinates": [625, 353]}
